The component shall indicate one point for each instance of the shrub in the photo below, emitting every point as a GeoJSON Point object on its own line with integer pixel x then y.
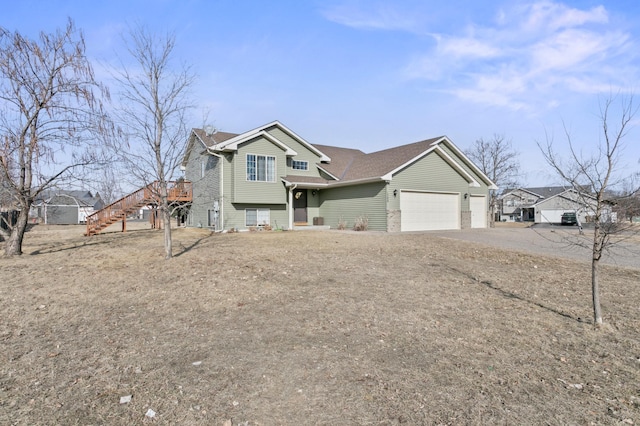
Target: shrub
{"type": "Point", "coordinates": [342, 224]}
{"type": "Point", "coordinates": [361, 224]}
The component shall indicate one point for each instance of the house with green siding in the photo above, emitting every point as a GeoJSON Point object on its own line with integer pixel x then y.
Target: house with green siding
{"type": "Point", "coordinates": [271, 176]}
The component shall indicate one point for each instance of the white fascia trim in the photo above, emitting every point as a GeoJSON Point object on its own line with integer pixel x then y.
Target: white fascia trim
{"type": "Point", "coordinates": [472, 182]}
{"type": "Point", "coordinates": [389, 176]}
{"type": "Point", "coordinates": [469, 163]}
{"type": "Point", "coordinates": [520, 189]}
{"type": "Point", "coordinates": [185, 158]}
{"type": "Point", "coordinates": [300, 139]}
{"type": "Point", "coordinates": [301, 185]}
{"type": "Point", "coordinates": [246, 138]}
{"type": "Point", "coordinates": [355, 182]}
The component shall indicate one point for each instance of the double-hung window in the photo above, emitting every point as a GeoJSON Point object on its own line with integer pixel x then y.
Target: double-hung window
{"type": "Point", "coordinates": [261, 168]}
{"type": "Point", "coordinates": [257, 217]}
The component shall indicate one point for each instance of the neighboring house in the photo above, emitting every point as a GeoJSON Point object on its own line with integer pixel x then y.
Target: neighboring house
{"type": "Point", "coordinates": [9, 209]}
{"type": "Point", "coordinates": [547, 204]}
{"type": "Point", "coordinates": [272, 176]}
{"type": "Point", "coordinates": [57, 207]}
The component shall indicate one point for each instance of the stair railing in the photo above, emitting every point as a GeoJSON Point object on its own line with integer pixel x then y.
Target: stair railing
{"type": "Point", "coordinates": [118, 210]}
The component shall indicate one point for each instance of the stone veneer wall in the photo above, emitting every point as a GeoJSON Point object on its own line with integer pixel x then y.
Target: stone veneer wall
{"type": "Point", "coordinates": [466, 220]}
{"type": "Point", "coordinates": [393, 220]}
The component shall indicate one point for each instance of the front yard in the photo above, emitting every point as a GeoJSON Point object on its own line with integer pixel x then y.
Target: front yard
{"type": "Point", "coordinates": [310, 328]}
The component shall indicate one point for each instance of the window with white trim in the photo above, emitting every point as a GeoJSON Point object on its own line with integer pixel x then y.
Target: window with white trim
{"type": "Point", "coordinates": [257, 217]}
{"type": "Point", "coordinates": [300, 165]}
{"type": "Point", "coordinates": [261, 168]}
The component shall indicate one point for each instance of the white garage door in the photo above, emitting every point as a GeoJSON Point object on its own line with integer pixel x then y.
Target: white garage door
{"type": "Point", "coordinates": [426, 211]}
{"type": "Point", "coordinates": [478, 207]}
{"type": "Point", "coordinates": [552, 216]}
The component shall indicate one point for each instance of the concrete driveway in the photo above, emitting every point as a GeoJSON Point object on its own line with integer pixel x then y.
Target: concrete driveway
{"type": "Point", "coordinates": [558, 241]}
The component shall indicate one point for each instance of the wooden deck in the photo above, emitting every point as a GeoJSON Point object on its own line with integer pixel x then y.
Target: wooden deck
{"type": "Point", "coordinates": [177, 192]}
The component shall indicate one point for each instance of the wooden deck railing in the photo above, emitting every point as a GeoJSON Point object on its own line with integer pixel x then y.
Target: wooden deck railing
{"type": "Point", "coordinates": [178, 191]}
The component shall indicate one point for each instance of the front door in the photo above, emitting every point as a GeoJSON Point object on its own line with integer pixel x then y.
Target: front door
{"type": "Point", "coordinates": [300, 206]}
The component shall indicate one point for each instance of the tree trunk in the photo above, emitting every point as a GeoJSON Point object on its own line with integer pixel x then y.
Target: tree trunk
{"type": "Point", "coordinates": [595, 269]}
{"type": "Point", "coordinates": [166, 216]}
{"type": "Point", "coordinates": [13, 246]}
{"type": "Point", "coordinates": [595, 292]}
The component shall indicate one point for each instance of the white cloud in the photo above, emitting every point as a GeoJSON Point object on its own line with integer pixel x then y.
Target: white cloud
{"type": "Point", "coordinates": [372, 16]}
{"type": "Point", "coordinates": [550, 16]}
{"type": "Point", "coordinates": [468, 47]}
{"type": "Point", "coordinates": [574, 49]}
{"type": "Point", "coordinates": [546, 47]}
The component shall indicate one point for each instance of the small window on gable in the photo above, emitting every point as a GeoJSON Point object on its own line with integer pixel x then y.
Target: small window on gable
{"type": "Point", "coordinates": [257, 217]}
{"type": "Point", "coordinates": [300, 165]}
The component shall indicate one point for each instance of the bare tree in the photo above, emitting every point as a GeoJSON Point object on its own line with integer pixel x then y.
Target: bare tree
{"type": "Point", "coordinates": [154, 98]}
{"type": "Point", "coordinates": [51, 111]}
{"type": "Point", "coordinates": [599, 171]}
{"type": "Point", "coordinates": [107, 183]}
{"type": "Point", "coordinates": [499, 161]}
{"type": "Point", "coordinates": [627, 199]}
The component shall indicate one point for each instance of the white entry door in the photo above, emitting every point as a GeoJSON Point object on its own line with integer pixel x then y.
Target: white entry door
{"type": "Point", "coordinates": [478, 207]}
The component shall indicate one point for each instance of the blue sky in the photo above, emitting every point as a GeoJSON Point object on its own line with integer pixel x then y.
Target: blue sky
{"type": "Point", "coordinates": [376, 74]}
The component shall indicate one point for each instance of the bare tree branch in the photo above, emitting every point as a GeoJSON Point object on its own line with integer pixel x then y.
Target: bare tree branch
{"type": "Point", "coordinates": [154, 99]}
{"type": "Point", "coordinates": [595, 176]}
{"type": "Point", "coordinates": [499, 161]}
{"type": "Point", "coordinates": [51, 113]}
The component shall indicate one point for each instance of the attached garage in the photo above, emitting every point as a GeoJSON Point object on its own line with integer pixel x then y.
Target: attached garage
{"type": "Point", "coordinates": [478, 207]}
{"type": "Point", "coordinates": [429, 211]}
{"type": "Point", "coordinates": [553, 216]}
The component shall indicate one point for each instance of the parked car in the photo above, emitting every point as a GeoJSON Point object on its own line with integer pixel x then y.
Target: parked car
{"type": "Point", "coordinates": [569, 218]}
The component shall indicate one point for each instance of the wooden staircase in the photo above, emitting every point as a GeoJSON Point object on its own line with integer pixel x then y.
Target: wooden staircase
{"type": "Point", "coordinates": [177, 192]}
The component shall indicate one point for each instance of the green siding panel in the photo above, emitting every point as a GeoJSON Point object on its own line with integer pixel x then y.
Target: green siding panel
{"type": "Point", "coordinates": [432, 173]}
{"type": "Point", "coordinates": [304, 154]}
{"type": "Point", "coordinates": [483, 188]}
{"type": "Point", "coordinates": [350, 202]}
{"type": "Point", "coordinates": [245, 191]}
{"type": "Point", "coordinates": [235, 215]}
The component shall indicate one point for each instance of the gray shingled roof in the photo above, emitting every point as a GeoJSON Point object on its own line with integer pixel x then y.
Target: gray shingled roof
{"type": "Point", "coordinates": [69, 197]}
{"type": "Point", "coordinates": [354, 164]}
{"type": "Point", "coordinates": [348, 164]}
{"type": "Point", "coordinates": [214, 138]}
{"type": "Point", "coordinates": [547, 191]}
{"type": "Point", "coordinates": [341, 159]}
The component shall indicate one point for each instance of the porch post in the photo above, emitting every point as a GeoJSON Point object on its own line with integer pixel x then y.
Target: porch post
{"type": "Point", "coordinates": [291, 189]}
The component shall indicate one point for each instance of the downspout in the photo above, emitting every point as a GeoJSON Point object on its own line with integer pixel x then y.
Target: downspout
{"type": "Point", "coordinates": [221, 203]}
{"type": "Point", "coordinates": [291, 189]}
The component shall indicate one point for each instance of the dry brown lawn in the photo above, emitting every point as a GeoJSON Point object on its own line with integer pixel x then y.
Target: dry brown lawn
{"type": "Point", "coordinates": [322, 328]}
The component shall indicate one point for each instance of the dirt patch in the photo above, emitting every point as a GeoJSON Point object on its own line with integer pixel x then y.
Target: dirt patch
{"type": "Point", "coordinates": [309, 328]}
